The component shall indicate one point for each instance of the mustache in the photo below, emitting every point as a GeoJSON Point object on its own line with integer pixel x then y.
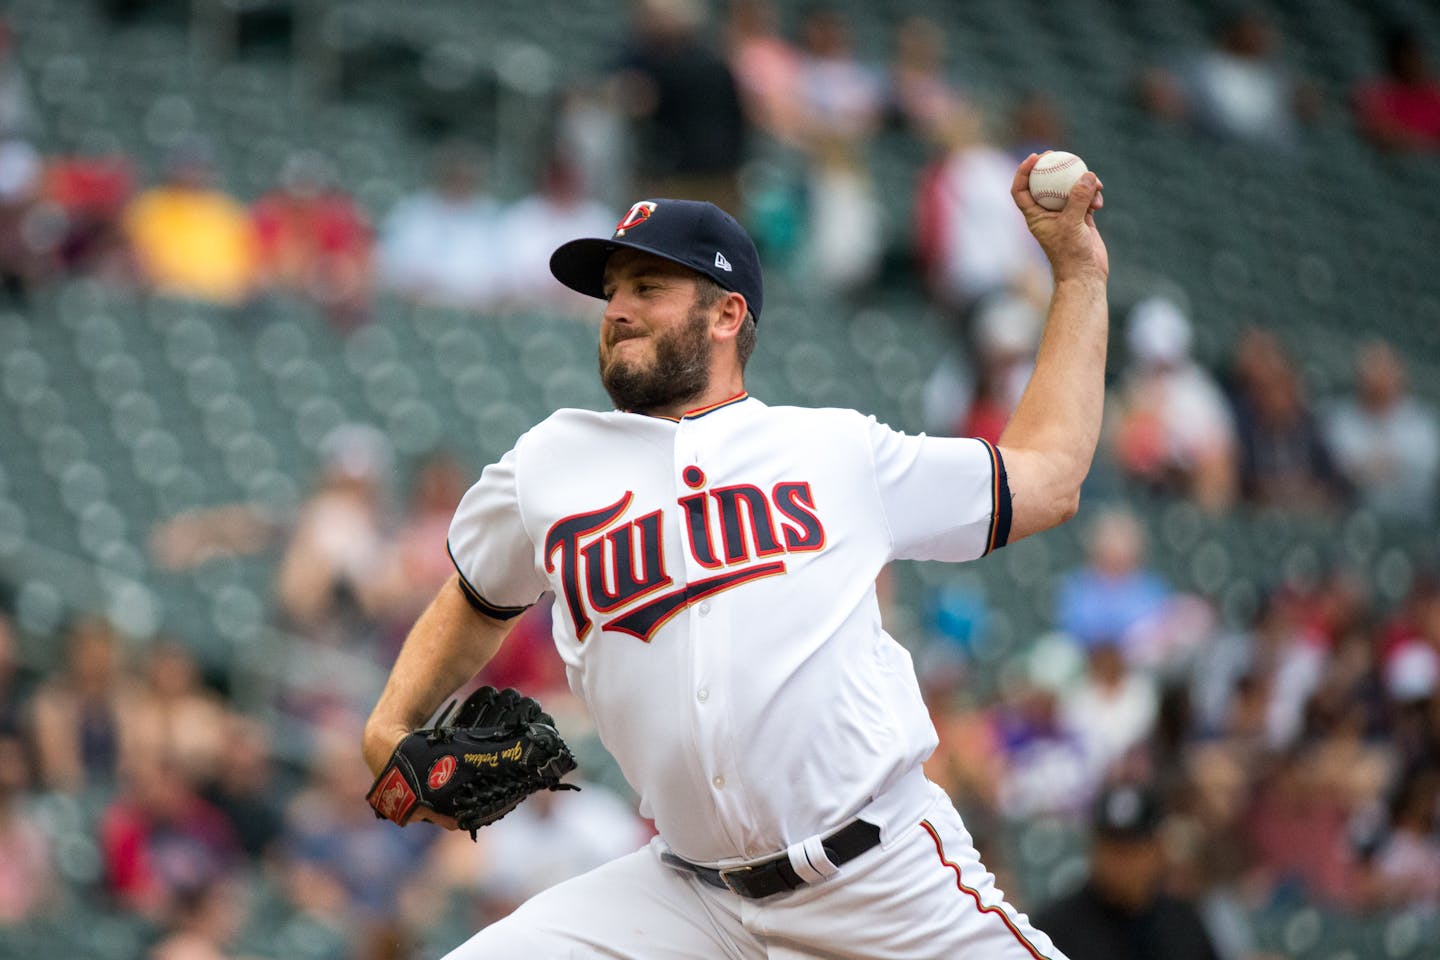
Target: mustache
{"type": "Point", "coordinates": [620, 336]}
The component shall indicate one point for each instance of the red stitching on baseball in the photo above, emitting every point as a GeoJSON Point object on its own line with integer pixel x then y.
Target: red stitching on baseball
{"type": "Point", "coordinates": [1059, 166]}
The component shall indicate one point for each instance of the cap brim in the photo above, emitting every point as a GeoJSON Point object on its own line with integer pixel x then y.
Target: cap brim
{"type": "Point", "coordinates": [580, 264]}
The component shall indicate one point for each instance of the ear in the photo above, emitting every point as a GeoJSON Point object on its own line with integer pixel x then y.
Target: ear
{"type": "Point", "coordinates": [726, 323]}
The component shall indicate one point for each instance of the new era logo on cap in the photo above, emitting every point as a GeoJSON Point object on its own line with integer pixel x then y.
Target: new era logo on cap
{"type": "Point", "coordinates": [691, 233]}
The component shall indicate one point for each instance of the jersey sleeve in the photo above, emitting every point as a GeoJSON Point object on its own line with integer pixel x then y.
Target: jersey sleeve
{"type": "Point", "coordinates": [944, 498]}
{"type": "Point", "coordinates": [490, 546]}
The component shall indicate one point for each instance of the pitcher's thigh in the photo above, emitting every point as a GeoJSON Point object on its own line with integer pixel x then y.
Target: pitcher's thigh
{"type": "Point", "coordinates": [633, 908]}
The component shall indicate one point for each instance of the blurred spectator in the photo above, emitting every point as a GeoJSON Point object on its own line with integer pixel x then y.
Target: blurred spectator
{"type": "Point", "coordinates": [193, 538]}
{"type": "Point", "coordinates": [844, 241]}
{"type": "Point", "coordinates": [1298, 824]}
{"type": "Point", "coordinates": [1122, 912]}
{"type": "Point", "coordinates": [1386, 442]}
{"type": "Point", "coordinates": [27, 869]}
{"type": "Point", "coordinates": [967, 762]}
{"type": "Point", "coordinates": [161, 842]}
{"type": "Point", "coordinates": [1410, 672]}
{"type": "Point", "coordinates": [1047, 766]}
{"type": "Point", "coordinates": [550, 838]}
{"type": "Point", "coordinates": [327, 584]}
{"type": "Point", "coordinates": [1174, 430]}
{"type": "Point", "coordinates": [970, 239]}
{"type": "Point", "coordinates": [315, 241]}
{"type": "Point", "coordinates": [245, 788]}
{"type": "Point", "coordinates": [536, 224]}
{"type": "Point", "coordinates": [1036, 125]}
{"type": "Point", "coordinates": [689, 125]}
{"type": "Point", "coordinates": [443, 244]}
{"type": "Point", "coordinates": [1006, 331]}
{"type": "Point", "coordinates": [418, 561]}
{"type": "Point", "coordinates": [1113, 595]}
{"type": "Point", "coordinates": [766, 67]}
{"type": "Point", "coordinates": [207, 921]}
{"type": "Point", "coordinates": [1334, 605]}
{"type": "Point", "coordinates": [1253, 687]}
{"type": "Point", "coordinates": [17, 106]}
{"type": "Point", "coordinates": [1209, 862]}
{"type": "Point", "coordinates": [189, 238]}
{"type": "Point", "coordinates": [334, 838]}
{"type": "Point", "coordinates": [922, 95]}
{"type": "Point", "coordinates": [16, 683]}
{"type": "Point", "coordinates": [317, 924]}
{"type": "Point", "coordinates": [1238, 89]}
{"type": "Point", "coordinates": [841, 99]}
{"type": "Point", "coordinates": [1284, 460]}
{"type": "Point", "coordinates": [591, 134]}
{"type": "Point", "coordinates": [90, 195]}
{"type": "Point", "coordinates": [1111, 711]}
{"type": "Point", "coordinates": [177, 716]}
{"type": "Point", "coordinates": [1401, 110]}
{"type": "Point", "coordinates": [1346, 709]}
{"type": "Point", "coordinates": [966, 400]}
{"type": "Point", "coordinates": [27, 240]}
{"type": "Point", "coordinates": [1405, 870]}
{"type": "Point", "coordinates": [84, 715]}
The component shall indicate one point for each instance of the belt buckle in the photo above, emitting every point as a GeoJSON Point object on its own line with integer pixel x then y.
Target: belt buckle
{"type": "Point", "coordinates": [726, 874]}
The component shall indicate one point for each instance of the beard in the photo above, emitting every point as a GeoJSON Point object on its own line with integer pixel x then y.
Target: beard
{"type": "Point", "coordinates": [680, 369]}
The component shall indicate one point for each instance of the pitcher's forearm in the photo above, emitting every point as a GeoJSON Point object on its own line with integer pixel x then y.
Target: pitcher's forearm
{"type": "Point", "coordinates": [447, 646]}
{"type": "Point", "coordinates": [1050, 441]}
{"type": "Point", "coordinates": [1060, 412]}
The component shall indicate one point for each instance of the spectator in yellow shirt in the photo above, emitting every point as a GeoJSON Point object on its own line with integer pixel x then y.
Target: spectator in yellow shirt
{"type": "Point", "coordinates": [190, 239]}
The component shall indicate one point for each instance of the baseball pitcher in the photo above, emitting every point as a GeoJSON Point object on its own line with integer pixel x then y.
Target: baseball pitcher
{"type": "Point", "coordinates": [713, 563]}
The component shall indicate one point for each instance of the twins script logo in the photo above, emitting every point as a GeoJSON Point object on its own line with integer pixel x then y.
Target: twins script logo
{"type": "Point", "coordinates": [609, 564]}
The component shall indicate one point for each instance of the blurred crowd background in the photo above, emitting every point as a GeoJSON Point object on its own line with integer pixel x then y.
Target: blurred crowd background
{"type": "Point", "coordinates": [273, 289]}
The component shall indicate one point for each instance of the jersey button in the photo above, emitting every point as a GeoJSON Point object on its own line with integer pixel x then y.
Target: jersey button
{"type": "Point", "coordinates": [703, 694]}
{"type": "Point", "coordinates": [704, 608]}
{"type": "Point", "coordinates": [719, 782]}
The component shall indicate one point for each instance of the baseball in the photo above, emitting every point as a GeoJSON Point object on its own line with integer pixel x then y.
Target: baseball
{"type": "Point", "coordinates": [1052, 177]}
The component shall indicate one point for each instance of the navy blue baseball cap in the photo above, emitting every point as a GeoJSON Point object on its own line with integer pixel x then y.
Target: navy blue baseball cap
{"type": "Point", "coordinates": [1127, 812]}
{"type": "Point", "coordinates": [693, 233]}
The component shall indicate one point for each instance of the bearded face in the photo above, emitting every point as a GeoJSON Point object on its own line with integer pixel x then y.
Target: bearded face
{"type": "Point", "coordinates": [665, 370]}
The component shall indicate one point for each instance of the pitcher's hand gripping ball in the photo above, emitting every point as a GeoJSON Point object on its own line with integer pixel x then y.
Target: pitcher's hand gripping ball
{"type": "Point", "coordinates": [498, 749]}
{"type": "Point", "coordinates": [1052, 177]}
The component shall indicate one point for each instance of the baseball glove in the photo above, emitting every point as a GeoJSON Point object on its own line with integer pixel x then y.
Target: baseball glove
{"type": "Point", "coordinates": [476, 767]}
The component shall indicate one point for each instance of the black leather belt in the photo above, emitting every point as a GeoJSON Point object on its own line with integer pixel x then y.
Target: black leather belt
{"type": "Point", "coordinates": [769, 877]}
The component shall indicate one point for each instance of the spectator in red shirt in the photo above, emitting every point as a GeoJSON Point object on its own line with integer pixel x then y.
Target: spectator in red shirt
{"type": "Point", "coordinates": [1401, 110]}
{"type": "Point", "coordinates": [160, 840]}
{"type": "Point", "coordinates": [91, 193]}
{"type": "Point", "coordinates": [315, 241]}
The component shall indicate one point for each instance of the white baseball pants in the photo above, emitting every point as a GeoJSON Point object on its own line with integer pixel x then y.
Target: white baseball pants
{"type": "Point", "coordinates": [923, 894]}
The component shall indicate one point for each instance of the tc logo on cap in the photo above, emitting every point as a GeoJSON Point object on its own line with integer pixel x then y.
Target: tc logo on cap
{"type": "Point", "coordinates": [637, 215]}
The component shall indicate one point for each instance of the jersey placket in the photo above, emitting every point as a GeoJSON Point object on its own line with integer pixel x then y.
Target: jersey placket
{"type": "Point", "coordinates": [708, 633]}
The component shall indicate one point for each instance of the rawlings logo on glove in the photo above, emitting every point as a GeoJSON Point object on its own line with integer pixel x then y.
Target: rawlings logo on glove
{"type": "Point", "coordinates": [499, 748]}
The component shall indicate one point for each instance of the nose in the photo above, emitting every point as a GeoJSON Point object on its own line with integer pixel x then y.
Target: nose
{"type": "Point", "coordinates": [617, 310]}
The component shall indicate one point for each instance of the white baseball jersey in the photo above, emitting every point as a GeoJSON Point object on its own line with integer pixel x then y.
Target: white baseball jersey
{"type": "Point", "coordinates": [714, 580]}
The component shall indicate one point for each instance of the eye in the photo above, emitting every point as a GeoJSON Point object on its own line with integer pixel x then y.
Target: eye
{"type": "Point", "coordinates": [607, 294]}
